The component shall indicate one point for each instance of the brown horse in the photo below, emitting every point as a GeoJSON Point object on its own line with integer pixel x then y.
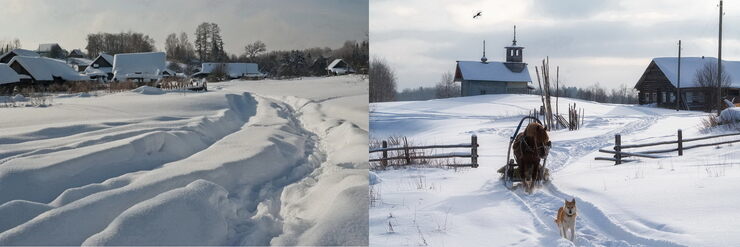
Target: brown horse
{"type": "Point", "coordinates": [529, 147]}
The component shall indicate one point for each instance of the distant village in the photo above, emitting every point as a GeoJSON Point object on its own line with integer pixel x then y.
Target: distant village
{"type": "Point", "coordinates": [50, 67]}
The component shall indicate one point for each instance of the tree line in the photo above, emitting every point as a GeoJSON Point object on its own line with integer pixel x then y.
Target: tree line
{"type": "Point", "coordinates": [208, 46]}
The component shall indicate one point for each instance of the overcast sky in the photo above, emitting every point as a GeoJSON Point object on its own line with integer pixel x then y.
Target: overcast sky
{"type": "Point", "coordinates": [281, 24]}
{"type": "Point", "coordinates": [609, 42]}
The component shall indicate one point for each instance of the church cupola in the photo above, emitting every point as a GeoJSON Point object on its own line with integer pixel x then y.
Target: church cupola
{"type": "Point", "coordinates": [484, 59]}
{"type": "Point", "coordinates": [514, 52]}
{"type": "Point", "coordinates": [514, 56]}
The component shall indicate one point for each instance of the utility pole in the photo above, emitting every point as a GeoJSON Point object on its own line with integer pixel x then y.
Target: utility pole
{"type": "Point", "coordinates": [678, 88]}
{"type": "Point", "coordinates": [719, 61]}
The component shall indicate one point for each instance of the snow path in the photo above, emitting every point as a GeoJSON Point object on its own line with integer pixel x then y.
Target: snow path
{"type": "Point", "coordinates": [594, 227]}
{"type": "Point", "coordinates": [425, 206]}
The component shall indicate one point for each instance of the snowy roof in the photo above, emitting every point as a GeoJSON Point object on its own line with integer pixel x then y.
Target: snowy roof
{"type": "Point", "coordinates": [491, 71]}
{"type": "Point", "coordinates": [108, 58]}
{"type": "Point", "coordinates": [7, 75]}
{"type": "Point", "coordinates": [79, 61]}
{"type": "Point", "coordinates": [76, 52]}
{"type": "Point", "coordinates": [233, 69]}
{"type": "Point", "coordinates": [18, 52]}
{"type": "Point", "coordinates": [689, 67]}
{"type": "Point", "coordinates": [47, 47]}
{"type": "Point", "coordinates": [45, 69]}
{"type": "Point", "coordinates": [138, 65]}
{"type": "Point", "coordinates": [334, 63]}
{"type": "Point", "coordinates": [24, 52]}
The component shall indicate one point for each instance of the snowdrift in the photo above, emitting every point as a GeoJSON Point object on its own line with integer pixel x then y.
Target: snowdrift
{"type": "Point", "coordinates": [239, 166]}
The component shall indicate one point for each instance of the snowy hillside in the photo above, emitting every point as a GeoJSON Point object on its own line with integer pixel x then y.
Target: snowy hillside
{"type": "Point", "coordinates": [676, 201]}
{"type": "Point", "coordinates": [247, 163]}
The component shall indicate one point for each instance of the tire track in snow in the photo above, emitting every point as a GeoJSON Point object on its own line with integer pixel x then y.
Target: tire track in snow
{"type": "Point", "coordinates": [594, 227]}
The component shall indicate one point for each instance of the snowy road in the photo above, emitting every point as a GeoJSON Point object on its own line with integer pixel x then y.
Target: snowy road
{"type": "Point", "coordinates": [618, 205]}
{"type": "Point", "coordinates": [240, 165]}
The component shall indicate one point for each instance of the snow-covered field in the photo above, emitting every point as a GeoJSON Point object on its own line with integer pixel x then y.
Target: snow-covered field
{"type": "Point", "coordinates": [246, 163]}
{"type": "Point", "coordinates": [689, 200]}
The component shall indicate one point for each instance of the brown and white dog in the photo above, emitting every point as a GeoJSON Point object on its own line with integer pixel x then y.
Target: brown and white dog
{"type": "Point", "coordinates": [566, 219]}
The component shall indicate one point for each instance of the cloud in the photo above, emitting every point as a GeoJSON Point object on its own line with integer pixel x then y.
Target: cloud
{"type": "Point", "coordinates": [281, 24]}
{"type": "Point", "coordinates": [610, 42]}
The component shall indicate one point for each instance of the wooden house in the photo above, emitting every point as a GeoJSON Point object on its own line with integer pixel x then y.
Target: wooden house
{"type": "Point", "coordinates": [8, 79]}
{"type": "Point", "coordinates": [43, 71]}
{"type": "Point", "coordinates": [339, 67]}
{"type": "Point", "coordinates": [76, 53]}
{"type": "Point", "coordinates": [101, 68]}
{"type": "Point", "coordinates": [659, 82]}
{"type": "Point", "coordinates": [51, 50]}
{"type": "Point", "coordinates": [5, 58]}
{"type": "Point", "coordinates": [486, 77]}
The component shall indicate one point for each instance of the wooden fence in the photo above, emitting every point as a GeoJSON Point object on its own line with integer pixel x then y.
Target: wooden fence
{"type": "Point", "coordinates": [619, 152]}
{"type": "Point", "coordinates": [408, 157]}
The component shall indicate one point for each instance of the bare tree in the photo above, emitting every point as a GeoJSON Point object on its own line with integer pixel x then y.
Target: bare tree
{"type": "Point", "coordinates": [447, 87]}
{"type": "Point", "coordinates": [382, 81]}
{"type": "Point", "coordinates": [251, 50]}
{"type": "Point", "coordinates": [706, 77]}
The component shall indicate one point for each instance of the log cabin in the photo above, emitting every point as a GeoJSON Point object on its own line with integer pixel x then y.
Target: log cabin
{"type": "Point", "coordinates": [659, 82]}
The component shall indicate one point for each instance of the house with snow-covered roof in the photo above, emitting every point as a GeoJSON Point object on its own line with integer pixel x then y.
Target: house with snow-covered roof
{"type": "Point", "coordinates": [101, 68]}
{"type": "Point", "coordinates": [8, 79]}
{"type": "Point", "coordinates": [487, 77]}
{"type": "Point", "coordinates": [233, 70]}
{"type": "Point", "coordinates": [76, 53]}
{"type": "Point", "coordinates": [142, 67]}
{"type": "Point", "coordinates": [5, 58]}
{"type": "Point", "coordinates": [78, 63]}
{"type": "Point", "coordinates": [659, 82]}
{"type": "Point", "coordinates": [339, 67]}
{"type": "Point", "coordinates": [52, 50]}
{"type": "Point", "coordinates": [43, 70]}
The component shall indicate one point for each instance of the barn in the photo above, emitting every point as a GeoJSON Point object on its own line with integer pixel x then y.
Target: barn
{"type": "Point", "coordinates": [42, 70]}
{"type": "Point", "coordinates": [486, 77]}
{"type": "Point", "coordinates": [142, 67]}
{"type": "Point", "coordinates": [5, 58]}
{"type": "Point", "coordinates": [101, 68]}
{"type": "Point", "coordinates": [339, 67]}
{"type": "Point", "coordinates": [659, 82]}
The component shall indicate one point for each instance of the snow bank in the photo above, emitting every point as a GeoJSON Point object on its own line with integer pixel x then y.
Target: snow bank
{"type": "Point", "coordinates": [730, 115]}
{"type": "Point", "coordinates": [196, 214]}
{"type": "Point", "coordinates": [140, 170]}
{"type": "Point", "coordinates": [147, 90]}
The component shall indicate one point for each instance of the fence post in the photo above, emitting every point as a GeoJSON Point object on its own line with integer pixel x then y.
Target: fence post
{"type": "Point", "coordinates": [618, 148]}
{"type": "Point", "coordinates": [406, 151]}
{"type": "Point", "coordinates": [680, 143]}
{"type": "Point", "coordinates": [474, 151]}
{"type": "Point", "coordinates": [384, 161]}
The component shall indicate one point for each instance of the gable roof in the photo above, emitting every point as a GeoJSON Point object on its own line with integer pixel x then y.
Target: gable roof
{"type": "Point", "coordinates": [17, 52]}
{"type": "Point", "coordinates": [138, 65]}
{"type": "Point", "coordinates": [335, 63]}
{"type": "Point", "coordinates": [8, 75]}
{"type": "Point", "coordinates": [233, 69]}
{"type": "Point", "coordinates": [490, 71]}
{"type": "Point", "coordinates": [689, 67]}
{"type": "Point", "coordinates": [79, 61]}
{"type": "Point", "coordinates": [45, 69]}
